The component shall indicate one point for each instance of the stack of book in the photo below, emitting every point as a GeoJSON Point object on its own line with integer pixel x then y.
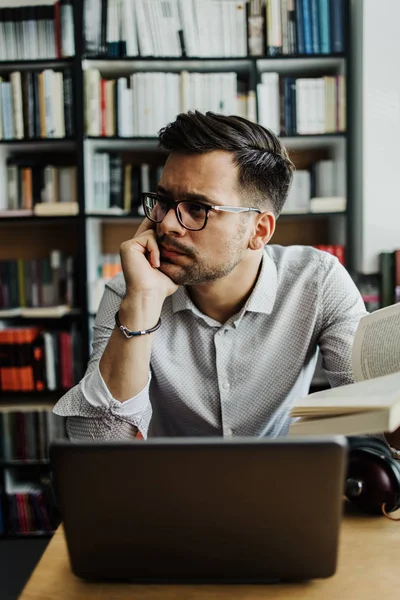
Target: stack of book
{"type": "Point", "coordinates": [302, 105]}
{"type": "Point", "coordinates": [118, 184]}
{"type": "Point", "coordinates": [37, 283]}
{"type": "Point", "coordinates": [26, 431]}
{"type": "Point", "coordinates": [319, 189]}
{"type": "Point", "coordinates": [165, 28]}
{"type": "Point", "coordinates": [129, 106]}
{"type": "Point", "coordinates": [280, 27]}
{"type": "Point", "coordinates": [36, 105]}
{"type": "Point", "coordinates": [37, 32]}
{"type": "Point", "coordinates": [40, 189]}
{"type": "Point", "coordinates": [334, 249]}
{"type": "Point", "coordinates": [33, 359]}
{"type": "Point", "coordinates": [29, 506]}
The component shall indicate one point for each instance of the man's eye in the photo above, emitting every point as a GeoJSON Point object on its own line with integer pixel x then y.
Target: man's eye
{"type": "Point", "coordinates": [196, 209]}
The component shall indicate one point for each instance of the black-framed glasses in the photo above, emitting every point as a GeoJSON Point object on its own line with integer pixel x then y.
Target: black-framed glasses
{"type": "Point", "coordinates": [191, 215]}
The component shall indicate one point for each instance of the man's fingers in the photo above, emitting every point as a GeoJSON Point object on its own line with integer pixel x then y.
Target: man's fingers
{"type": "Point", "coordinates": [145, 243]}
{"type": "Point", "coordinates": [154, 252]}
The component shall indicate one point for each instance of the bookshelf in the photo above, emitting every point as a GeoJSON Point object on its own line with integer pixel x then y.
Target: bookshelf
{"type": "Point", "coordinates": [93, 234]}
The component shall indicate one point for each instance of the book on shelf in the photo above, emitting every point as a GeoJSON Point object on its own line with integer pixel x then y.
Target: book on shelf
{"type": "Point", "coordinates": [117, 184]}
{"type": "Point", "coordinates": [29, 504]}
{"type": "Point", "coordinates": [37, 283]}
{"type": "Point", "coordinates": [37, 359]}
{"type": "Point", "coordinates": [318, 189]}
{"type": "Point", "coordinates": [36, 104]}
{"type": "Point", "coordinates": [27, 430]}
{"type": "Point", "coordinates": [34, 32]}
{"type": "Point", "coordinates": [335, 249]}
{"type": "Point", "coordinates": [119, 28]}
{"type": "Point", "coordinates": [213, 28]}
{"type": "Point", "coordinates": [327, 204]}
{"type": "Point", "coordinates": [302, 105]}
{"type": "Point", "coordinates": [372, 403]}
{"type": "Point", "coordinates": [129, 105]}
{"type": "Point", "coordinates": [64, 209]}
{"type": "Point", "coordinates": [36, 187]}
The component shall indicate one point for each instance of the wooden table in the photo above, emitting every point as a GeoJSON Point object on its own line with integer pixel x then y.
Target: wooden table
{"type": "Point", "coordinates": [369, 568]}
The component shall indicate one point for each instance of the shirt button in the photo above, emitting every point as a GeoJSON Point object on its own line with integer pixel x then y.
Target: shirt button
{"type": "Point", "coordinates": [226, 385]}
{"type": "Point", "coordinates": [229, 433]}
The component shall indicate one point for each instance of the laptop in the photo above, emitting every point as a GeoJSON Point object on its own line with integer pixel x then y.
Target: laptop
{"type": "Point", "coordinates": [202, 509]}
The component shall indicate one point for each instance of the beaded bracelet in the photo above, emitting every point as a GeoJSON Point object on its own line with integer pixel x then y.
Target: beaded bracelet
{"type": "Point", "coordinates": [128, 333]}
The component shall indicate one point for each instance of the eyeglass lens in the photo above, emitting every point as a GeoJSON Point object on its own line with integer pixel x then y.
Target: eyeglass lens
{"type": "Point", "coordinates": [192, 215]}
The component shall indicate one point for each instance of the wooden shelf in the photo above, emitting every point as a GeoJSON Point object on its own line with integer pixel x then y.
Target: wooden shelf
{"type": "Point", "coordinates": [34, 63]}
{"type": "Point", "coordinates": [149, 59]}
{"type": "Point", "coordinates": [41, 312]}
{"type": "Point", "coordinates": [24, 463]}
{"type": "Point", "coordinates": [26, 536]}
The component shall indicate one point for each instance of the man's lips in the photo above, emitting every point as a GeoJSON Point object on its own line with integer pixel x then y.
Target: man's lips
{"type": "Point", "coordinates": [170, 251]}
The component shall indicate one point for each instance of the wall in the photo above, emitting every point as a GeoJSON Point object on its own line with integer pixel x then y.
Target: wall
{"type": "Point", "coordinates": [375, 129]}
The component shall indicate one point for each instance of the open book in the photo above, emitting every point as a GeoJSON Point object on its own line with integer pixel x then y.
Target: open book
{"type": "Point", "coordinates": [372, 403]}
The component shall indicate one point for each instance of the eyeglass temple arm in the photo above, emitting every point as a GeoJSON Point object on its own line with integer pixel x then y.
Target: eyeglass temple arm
{"type": "Point", "coordinates": [236, 209]}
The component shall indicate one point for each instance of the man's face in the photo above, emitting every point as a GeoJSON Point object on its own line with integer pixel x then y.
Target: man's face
{"type": "Point", "coordinates": [196, 257]}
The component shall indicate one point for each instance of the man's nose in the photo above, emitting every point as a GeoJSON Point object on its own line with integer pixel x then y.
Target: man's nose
{"type": "Point", "coordinates": [170, 223]}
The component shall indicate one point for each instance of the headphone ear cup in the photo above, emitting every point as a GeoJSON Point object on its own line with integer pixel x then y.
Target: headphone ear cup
{"type": "Point", "coordinates": [373, 476]}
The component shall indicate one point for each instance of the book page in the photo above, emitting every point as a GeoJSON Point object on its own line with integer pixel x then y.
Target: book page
{"type": "Point", "coordinates": [376, 348]}
{"type": "Point", "coordinates": [382, 392]}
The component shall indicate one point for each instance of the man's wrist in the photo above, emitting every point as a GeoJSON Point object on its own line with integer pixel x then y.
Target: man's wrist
{"type": "Point", "coordinates": [139, 312]}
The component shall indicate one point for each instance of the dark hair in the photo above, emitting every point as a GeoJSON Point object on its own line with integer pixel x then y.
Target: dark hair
{"type": "Point", "coordinates": [265, 169]}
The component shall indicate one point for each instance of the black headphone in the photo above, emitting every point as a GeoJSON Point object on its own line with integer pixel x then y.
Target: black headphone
{"type": "Point", "coordinates": [373, 476]}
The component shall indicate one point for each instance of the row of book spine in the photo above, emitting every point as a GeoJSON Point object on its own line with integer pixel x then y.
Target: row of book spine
{"type": "Point", "coordinates": [30, 184]}
{"type": "Point", "coordinates": [36, 104]}
{"type": "Point", "coordinates": [337, 250]}
{"type": "Point", "coordinates": [37, 282]}
{"type": "Point", "coordinates": [281, 27]}
{"type": "Point", "coordinates": [33, 359]}
{"type": "Point", "coordinates": [37, 32]}
{"type": "Point", "coordinates": [321, 188]}
{"type": "Point", "coordinates": [130, 106]}
{"type": "Point", "coordinates": [302, 105]}
{"type": "Point", "coordinates": [171, 28]}
{"type": "Point", "coordinates": [117, 184]}
{"type": "Point", "coordinates": [219, 28]}
{"type": "Point", "coordinates": [26, 432]}
{"type": "Point", "coordinates": [24, 514]}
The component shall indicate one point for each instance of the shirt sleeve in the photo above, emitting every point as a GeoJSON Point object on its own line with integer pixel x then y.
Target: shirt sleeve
{"type": "Point", "coordinates": [90, 409]}
{"type": "Point", "coordinates": [341, 310]}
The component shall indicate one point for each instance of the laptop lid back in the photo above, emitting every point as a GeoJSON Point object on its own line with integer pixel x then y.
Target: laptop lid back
{"type": "Point", "coordinates": [169, 510]}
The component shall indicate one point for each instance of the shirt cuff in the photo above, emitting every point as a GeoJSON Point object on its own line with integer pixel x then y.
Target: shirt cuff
{"type": "Point", "coordinates": [97, 394]}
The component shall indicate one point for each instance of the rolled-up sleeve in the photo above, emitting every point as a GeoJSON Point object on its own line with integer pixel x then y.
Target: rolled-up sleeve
{"type": "Point", "coordinates": [342, 309]}
{"type": "Point", "coordinates": [90, 409]}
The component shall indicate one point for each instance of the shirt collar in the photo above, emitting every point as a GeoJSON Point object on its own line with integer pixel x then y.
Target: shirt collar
{"type": "Point", "coordinates": [261, 300]}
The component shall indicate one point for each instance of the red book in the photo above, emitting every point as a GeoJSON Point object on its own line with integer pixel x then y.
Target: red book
{"type": "Point", "coordinates": [65, 346]}
{"type": "Point", "coordinates": [21, 514]}
{"type": "Point", "coordinates": [339, 252]}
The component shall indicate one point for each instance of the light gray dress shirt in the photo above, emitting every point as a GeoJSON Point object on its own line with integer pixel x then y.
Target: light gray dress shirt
{"type": "Point", "coordinates": [237, 378]}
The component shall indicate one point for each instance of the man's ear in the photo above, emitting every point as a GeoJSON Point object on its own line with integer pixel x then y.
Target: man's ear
{"type": "Point", "coordinates": [263, 231]}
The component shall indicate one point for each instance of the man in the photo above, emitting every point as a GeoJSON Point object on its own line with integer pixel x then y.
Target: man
{"type": "Point", "coordinates": [241, 320]}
